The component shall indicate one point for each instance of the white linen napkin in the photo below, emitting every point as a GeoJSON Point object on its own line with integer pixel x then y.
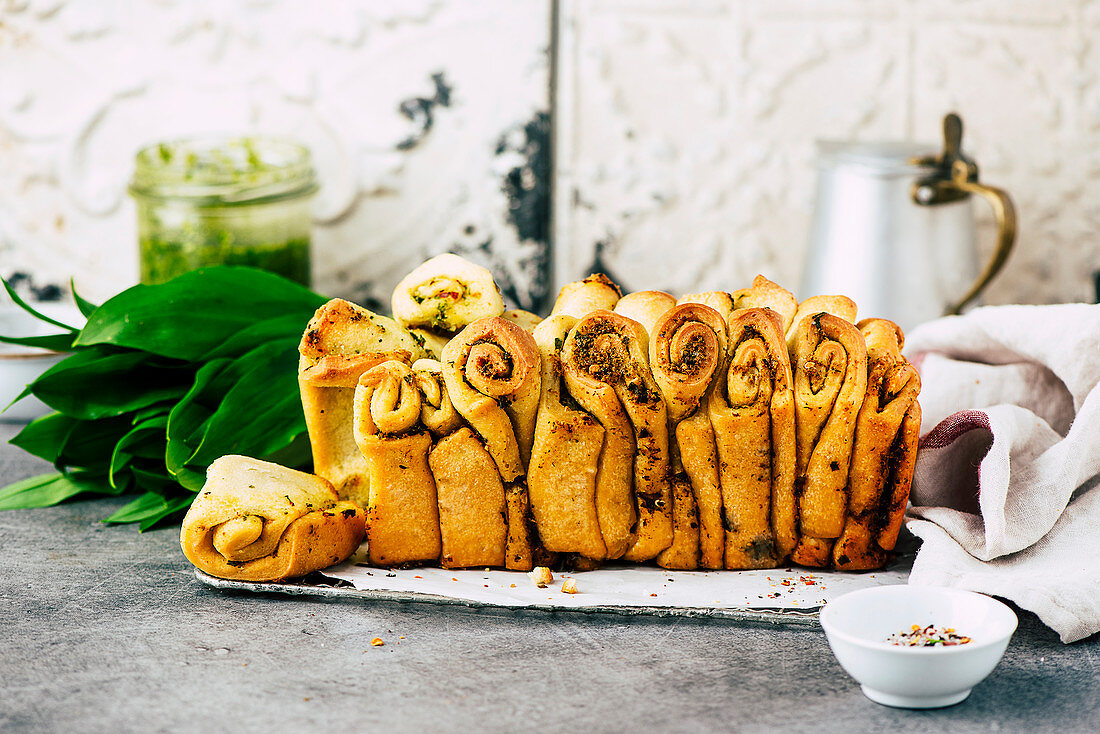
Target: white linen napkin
{"type": "Point", "coordinates": [1006, 494]}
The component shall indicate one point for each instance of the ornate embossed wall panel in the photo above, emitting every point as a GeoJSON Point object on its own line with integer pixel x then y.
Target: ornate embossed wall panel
{"type": "Point", "coordinates": [428, 120]}
{"type": "Point", "coordinates": [686, 143]}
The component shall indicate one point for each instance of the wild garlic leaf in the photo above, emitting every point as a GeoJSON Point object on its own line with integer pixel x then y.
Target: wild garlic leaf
{"type": "Point", "coordinates": [148, 509]}
{"type": "Point", "coordinates": [44, 437]}
{"type": "Point", "coordinates": [90, 443]}
{"type": "Point", "coordinates": [53, 342]}
{"type": "Point", "coordinates": [42, 490]}
{"type": "Point", "coordinates": [143, 414]}
{"type": "Point", "coordinates": [138, 509]}
{"type": "Point", "coordinates": [46, 490]}
{"type": "Point", "coordinates": [262, 410]}
{"type": "Point", "coordinates": [146, 440]}
{"type": "Point", "coordinates": [191, 315]}
{"type": "Point", "coordinates": [151, 477]}
{"type": "Point", "coordinates": [100, 382]}
{"type": "Point", "coordinates": [295, 455]}
{"type": "Point", "coordinates": [22, 394]}
{"type": "Point", "coordinates": [263, 332]}
{"type": "Point", "coordinates": [29, 309]}
{"type": "Point", "coordinates": [86, 307]}
{"type": "Point", "coordinates": [162, 380]}
{"type": "Point", "coordinates": [189, 418]}
{"type": "Point", "coordinates": [173, 508]}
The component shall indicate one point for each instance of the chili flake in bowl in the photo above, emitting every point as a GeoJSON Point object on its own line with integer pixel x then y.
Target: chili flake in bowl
{"type": "Point", "coordinates": [924, 667]}
{"type": "Point", "coordinates": [929, 636]}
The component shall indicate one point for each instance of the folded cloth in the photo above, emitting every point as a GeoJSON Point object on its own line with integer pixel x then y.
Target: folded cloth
{"type": "Point", "coordinates": [1006, 494]}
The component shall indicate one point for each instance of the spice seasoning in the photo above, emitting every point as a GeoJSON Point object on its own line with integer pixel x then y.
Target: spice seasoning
{"type": "Point", "coordinates": [930, 636]}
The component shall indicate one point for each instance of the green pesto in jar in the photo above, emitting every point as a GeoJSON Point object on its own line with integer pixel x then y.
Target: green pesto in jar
{"type": "Point", "coordinates": [163, 260]}
{"type": "Point", "coordinates": [231, 201]}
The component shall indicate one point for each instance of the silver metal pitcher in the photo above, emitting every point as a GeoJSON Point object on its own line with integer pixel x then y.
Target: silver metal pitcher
{"type": "Point", "coordinates": [894, 229]}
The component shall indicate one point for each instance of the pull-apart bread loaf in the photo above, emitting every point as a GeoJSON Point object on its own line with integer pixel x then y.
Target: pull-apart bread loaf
{"type": "Point", "coordinates": [257, 521]}
{"type": "Point", "coordinates": [723, 430]}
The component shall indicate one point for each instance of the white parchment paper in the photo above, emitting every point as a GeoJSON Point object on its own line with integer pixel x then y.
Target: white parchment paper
{"type": "Point", "coordinates": [627, 586]}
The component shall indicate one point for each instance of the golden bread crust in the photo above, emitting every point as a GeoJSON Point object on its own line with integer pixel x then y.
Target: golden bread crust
{"type": "Point", "coordinates": [645, 307]}
{"type": "Point", "coordinates": [472, 505]}
{"type": "Point", "coordinates": [582, 297]}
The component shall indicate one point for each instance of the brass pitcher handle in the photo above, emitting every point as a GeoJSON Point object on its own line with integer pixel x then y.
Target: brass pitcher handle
{"type": "Point", "coordinates": [1005, 214]}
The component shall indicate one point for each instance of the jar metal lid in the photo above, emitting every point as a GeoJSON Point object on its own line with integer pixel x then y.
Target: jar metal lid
{"type": "Point", "coordinates": [224, 171]}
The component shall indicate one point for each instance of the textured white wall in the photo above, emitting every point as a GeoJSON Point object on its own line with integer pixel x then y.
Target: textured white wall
{"type": "Point", "coordinates": [688, 129]}
{"type": "Point", "coordinates": [84, 84]}
{"type": "Point", "coordinates": [685, 136]}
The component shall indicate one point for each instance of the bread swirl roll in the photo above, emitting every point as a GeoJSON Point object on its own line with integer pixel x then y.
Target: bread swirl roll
{"type": "Point", "coordinates": [437, 413]}
{"type": "Point", "coordinates": [258, 521]}
{"type": "Point", "coordinates": [842, 307]}
{"type": "Point", "coordinates": [829, 358]}
{"type": "Point", "coordinates": [490, 364]}
{"type": "Point", "coordinates": [561, 477]}
{"type": "Point", "coordinates": [752, 412]}
{"type": "Point", "coordinates": [445, 294]}
{"type": "Point", "coordinates": [340, 343]}
{"type": "Point", "coordinates": [686, 352]}
{"type": "Point", "coordinates": [883, 451]}
{"type": "Point", "coordinates": [402, 514]}
{"type": "Point", "coordinates": [523, 319]}
{"type": "Point", "coordinates": [606, 369]}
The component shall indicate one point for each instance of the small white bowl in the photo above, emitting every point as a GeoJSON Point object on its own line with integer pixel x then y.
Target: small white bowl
{"type": "Point", "coordinates": [857, 625]}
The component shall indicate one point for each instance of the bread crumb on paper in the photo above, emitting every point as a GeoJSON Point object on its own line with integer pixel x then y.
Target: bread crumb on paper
{"type": "Point", "coordinates": [377, 642]}
{"type": "Point", "coordinates": [569, 586]}
{"type": "Point", "coordinates": [541, 576]}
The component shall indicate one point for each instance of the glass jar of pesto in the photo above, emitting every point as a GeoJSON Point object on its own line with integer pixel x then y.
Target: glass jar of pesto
{"type": "Point", "coordinates": [231, 201]}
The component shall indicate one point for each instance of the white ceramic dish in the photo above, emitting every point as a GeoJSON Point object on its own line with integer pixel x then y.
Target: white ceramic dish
{"type": "Point", "coordinates": [20, 365]}
{"type": "Point", "coordinates": [858, 624]}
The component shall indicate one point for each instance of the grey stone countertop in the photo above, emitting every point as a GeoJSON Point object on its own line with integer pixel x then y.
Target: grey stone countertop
{"type": "Point", "coordinates": [105, 629]}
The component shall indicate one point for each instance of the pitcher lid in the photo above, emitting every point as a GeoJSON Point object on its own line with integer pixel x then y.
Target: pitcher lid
{"type": "Point", "coordinates": [884, 157]}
